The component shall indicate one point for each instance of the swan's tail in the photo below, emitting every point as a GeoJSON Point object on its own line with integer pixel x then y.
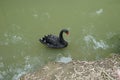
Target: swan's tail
{"type": "Point", "coordinates": [43, 40]}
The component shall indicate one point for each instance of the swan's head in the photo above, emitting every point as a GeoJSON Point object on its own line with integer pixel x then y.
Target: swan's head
{"type": "Point", "coordinates": [66, 31]}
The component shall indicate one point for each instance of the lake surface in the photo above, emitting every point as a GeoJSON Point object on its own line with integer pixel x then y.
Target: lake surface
{"type": "Point", "coordinates": [94, 32]}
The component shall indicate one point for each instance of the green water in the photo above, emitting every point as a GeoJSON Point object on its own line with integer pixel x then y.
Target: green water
{"type": "Point", "coordinates": [94, 27]}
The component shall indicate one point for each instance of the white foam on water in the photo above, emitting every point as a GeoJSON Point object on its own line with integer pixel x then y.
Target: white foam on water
{"type": "Point", "coordinates": [100, 11]}
{"type": "Point", "coordinates": [30, 64]}
{"type": "Point", "coordinates": [1, 64]}
{"type": "Point", "coordinates": [15, 71]}
{"type": "Point", "coordinates": [21, 71]}
{"type": "Point", "coordinates": [4, 43]}
{"type": "Point", "coordinates": [1, 77]}
{"type": "Point", "coordinates": [64, 59]}
{"type": "Point", "coordinates": [97, 44]}
{"type": "Point", "coordinates": [17, 76]}
{"type": "Point", "coordinates": [11, 39]}
{"type": "Point", "coordinates": [16, 38]}
{"type": "Point", "coordinates": [18, 73]}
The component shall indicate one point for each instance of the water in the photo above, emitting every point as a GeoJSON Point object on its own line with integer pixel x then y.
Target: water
{"type": "Point", "coordinates": [93, 25]}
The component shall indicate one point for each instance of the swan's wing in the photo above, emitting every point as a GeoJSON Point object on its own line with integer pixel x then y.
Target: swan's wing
{"type": "Point", "coordinates": [50, 39]}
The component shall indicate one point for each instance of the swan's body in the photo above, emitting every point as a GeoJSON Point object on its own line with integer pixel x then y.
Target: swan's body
{"type": "Point", "coordinates": [53, 41]}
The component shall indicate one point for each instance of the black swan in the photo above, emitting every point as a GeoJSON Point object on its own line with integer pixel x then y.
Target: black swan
{"type": "Point", "coordinates": [53, 41]}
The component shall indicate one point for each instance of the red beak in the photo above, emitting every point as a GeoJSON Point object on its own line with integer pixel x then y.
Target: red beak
{"type": "Point", "coordinates": [67, 33]}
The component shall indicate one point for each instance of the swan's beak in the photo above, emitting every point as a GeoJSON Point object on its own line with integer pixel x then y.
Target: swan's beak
{"type": "Point", "coordinates": [67, 33]}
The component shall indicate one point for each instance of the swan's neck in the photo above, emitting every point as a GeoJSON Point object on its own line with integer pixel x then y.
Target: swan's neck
{"type": "Point", "coordinates": [61, 36]}
{"type": "Point", "coordinates": [62, 39]}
